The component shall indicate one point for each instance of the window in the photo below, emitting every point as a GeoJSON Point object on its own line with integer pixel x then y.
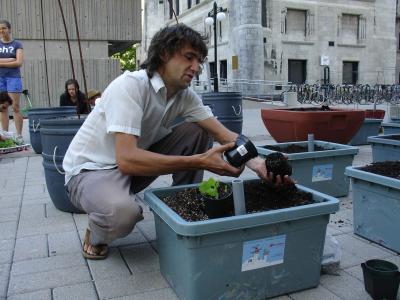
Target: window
{"type": "Point", "coordinates": [297, 23]}
{"type": "Point", "coordinates": [223, 69]}
{"type": "Point", "coordinates": [212, 70]}
{"type": "Point", "coordinates": [350, 72]}
{"type": "Point", "coordinates": [352, 28]}
{"type": "Point", "coordinates": [171, 14]}
{"type": "Point", "coordinates": [177, 7]}
{"type": "Point", "coordinates": [297, 71]}
{"type": "Point", "coordinates": [189, 4]}
{"type": "Point", "coordinates": [264, 18]}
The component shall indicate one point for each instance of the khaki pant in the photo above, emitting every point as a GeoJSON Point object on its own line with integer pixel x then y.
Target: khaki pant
{"type": "Point", "coordinates": [107, 196]}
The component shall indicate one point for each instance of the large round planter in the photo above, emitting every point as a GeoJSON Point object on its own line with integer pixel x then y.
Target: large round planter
{"type": "Point", "coordinates": [336, 125]}
{"type": "Point", "coordinates": [375, 113]}
{"type": "Point", "coordinates": [227, 108]}
{"type": "Point", "coordinates": [37, 114]}
{"type": "Point", "coordinates": [57, 134]}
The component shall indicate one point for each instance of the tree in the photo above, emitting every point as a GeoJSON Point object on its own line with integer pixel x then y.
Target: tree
{"type": "Point", "coordinates": [127, 59]}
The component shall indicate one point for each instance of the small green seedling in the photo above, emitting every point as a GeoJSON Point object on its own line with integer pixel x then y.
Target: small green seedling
{"type": "Point", "coordinates": [209, 188]}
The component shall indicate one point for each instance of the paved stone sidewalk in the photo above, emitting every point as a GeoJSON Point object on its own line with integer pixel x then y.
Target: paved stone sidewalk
{"type": "Point", "coordinates": [40, 247]}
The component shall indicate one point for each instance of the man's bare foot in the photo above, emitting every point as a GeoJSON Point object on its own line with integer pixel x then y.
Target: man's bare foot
{"type": "Point", "coordinates": [93, 252]}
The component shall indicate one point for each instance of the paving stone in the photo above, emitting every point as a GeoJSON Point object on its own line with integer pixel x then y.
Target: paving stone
{"type": "Point", "coordinates": [141, 258]}
{"type": "Point", "coordinates": [45, 225]}
{"type": "Point", "coordinates": [355, 251]}
{"type": "Point", "coordinates": [31, 247]}
{"type": "Point", "coordinates": [39, 295]}
{"type": "Point", "coordinates": [34, 196]}
{"type": "Point", "coordinates": [164, 294]}
{"type": "Point", "coordinates": [314, 294]}
{"type": "Point", "coordinates": [135, 237]}
{"type": "Point", "coordinates": [8, 230]}
{"type": "Point", "coordinates": [134, 284]}
{"type": "Point", "coordinates": [6, 256]}
{"type": "Point", "coordinates": [9, 214]}
{"type": "Point", "coordinates": [114, 266]}
{"type": "Point", "coordinates": [46, 264]}
{"type": "Point", "coordinates": [148, 229]}
{"type": "Point", "coordinates": [41, 200]}
{"type": "Point", "coordinates": [10, 201]}
{"type": "Point", "coordinates": [52, 211]}
{"type": "Point", "coordinates": [64, 242]}
{"type": "Point", "coordinates": [4, 275]}
{"type": "Point", "coordinates": [35, 211]}
{"type": "Point", "coordinates": [77, 291]}
{"type": "Point", "coordinates": [7, 244]}
{"type": "Point", "coordinates": [345, 286]}
{"type": "Point", "coordinates": [50, 279]}
{"type": "Point", "coordinates": [35, 190]}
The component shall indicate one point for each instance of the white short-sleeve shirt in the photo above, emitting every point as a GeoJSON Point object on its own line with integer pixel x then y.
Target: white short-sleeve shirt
{"type": "Point", "coordinates": [131, 104]}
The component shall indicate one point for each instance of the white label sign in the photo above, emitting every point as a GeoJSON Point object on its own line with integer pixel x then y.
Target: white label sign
{"type": "Point", "coordinates": [324, 60]}
{"type": "Point", "coordinates": [263, 253]}
{"type": "Point", "coordinates": [322, 172]}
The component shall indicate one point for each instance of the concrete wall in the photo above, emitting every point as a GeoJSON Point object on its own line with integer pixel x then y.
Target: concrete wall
{"type": "Point", "coordinates": [41, 31]}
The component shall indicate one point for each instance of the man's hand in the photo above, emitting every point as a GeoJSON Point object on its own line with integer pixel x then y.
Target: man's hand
{"type": "Point", "coordinates": [258, 166]}
{"type": "Point", "coordinates": [214, 162]}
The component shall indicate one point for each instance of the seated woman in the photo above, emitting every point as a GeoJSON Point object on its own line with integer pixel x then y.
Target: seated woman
{"type": "Point", "coordinates": [74, 97]}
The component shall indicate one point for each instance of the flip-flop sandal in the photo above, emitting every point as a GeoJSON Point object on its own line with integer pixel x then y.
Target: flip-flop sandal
{"type": "Point", "coordinates": [101, 251]}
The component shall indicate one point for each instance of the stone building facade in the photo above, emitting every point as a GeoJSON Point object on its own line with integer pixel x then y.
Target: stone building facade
{"type": "Point", "coordinates": [290, 41]}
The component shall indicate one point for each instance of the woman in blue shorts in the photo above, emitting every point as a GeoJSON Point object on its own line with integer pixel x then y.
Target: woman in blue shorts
{"type": "Point", "coordinates": [11, 59]}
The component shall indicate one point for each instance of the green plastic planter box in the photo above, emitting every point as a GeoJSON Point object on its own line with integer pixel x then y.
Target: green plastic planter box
{"type": "Point", "coordinates": [384, 147]}
{"type": "Point", "coordinates": [369, 127]}
{"type": "Point", "coordinates": [376, 207]}
{"type": "Point", "coordinates": [322, 171]}
{"type": "Point", "coordinates": [251, 256]}
{"type": "Point", "coordinates": [391, 127]}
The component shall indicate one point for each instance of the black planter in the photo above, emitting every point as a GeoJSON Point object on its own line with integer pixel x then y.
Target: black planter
{"type": "Point", "coordinates": [35, 115]}
{"type": "Point", "coordinates": [221, 207]}
{"type": "Point", "coordinates": [56, 135]}
{"type": "Point", "coordinates": [381, 279]}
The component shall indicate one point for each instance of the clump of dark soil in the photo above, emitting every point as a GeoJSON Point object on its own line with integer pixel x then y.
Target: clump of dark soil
{"type": "Point", "coordinates": [294, 148]}
{"type": "Point", "coordinates": [263, 197]}
{"type": "Point", "coordinates": [278, 164]}
{"type": "Point", "coordinates": [385, 168]}
{"type": "Point", "coordinates": [259, 196]}
{"type": "Point", "coordinates": [393, 137]}
{"type": "Point", "coordinates": [322, 108]}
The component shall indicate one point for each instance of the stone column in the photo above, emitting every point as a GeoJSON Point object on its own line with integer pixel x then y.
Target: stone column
{"type": "Point", "coordinates": [247, 43]}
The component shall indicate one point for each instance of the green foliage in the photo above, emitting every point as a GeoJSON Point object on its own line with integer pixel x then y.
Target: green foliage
{"type": "Point", "coordinates": [7, 143]}
{"type": "Point", "coordinates": [127, 59]}
{"type": "Point", "coordinates": [209, 188]}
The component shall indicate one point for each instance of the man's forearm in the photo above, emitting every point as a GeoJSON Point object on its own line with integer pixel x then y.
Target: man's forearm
{"type": "Point", "coordinates": [146, 163]}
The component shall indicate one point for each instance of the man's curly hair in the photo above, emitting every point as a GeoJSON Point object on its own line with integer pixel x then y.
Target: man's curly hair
{"type": "Point", "coordinates": [169, 40]}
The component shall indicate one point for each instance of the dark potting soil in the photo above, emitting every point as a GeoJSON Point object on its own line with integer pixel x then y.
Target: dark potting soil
{"type": "Point", "coordinates": [259, 197]}
{"type": "Point", "coordinates": [393, 137]}
{"type": "Point", "coordinates": [294, 148]}
{"type": "Point", "coordinates": [322, 108]}
{"type": "Point", "coordinates": [278, 164]}
{"type": "Point", "coordinates": [384, 168]}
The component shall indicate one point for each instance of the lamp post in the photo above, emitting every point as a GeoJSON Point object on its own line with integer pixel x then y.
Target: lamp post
{"type": "Point", "coordinates": [217, 13]}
